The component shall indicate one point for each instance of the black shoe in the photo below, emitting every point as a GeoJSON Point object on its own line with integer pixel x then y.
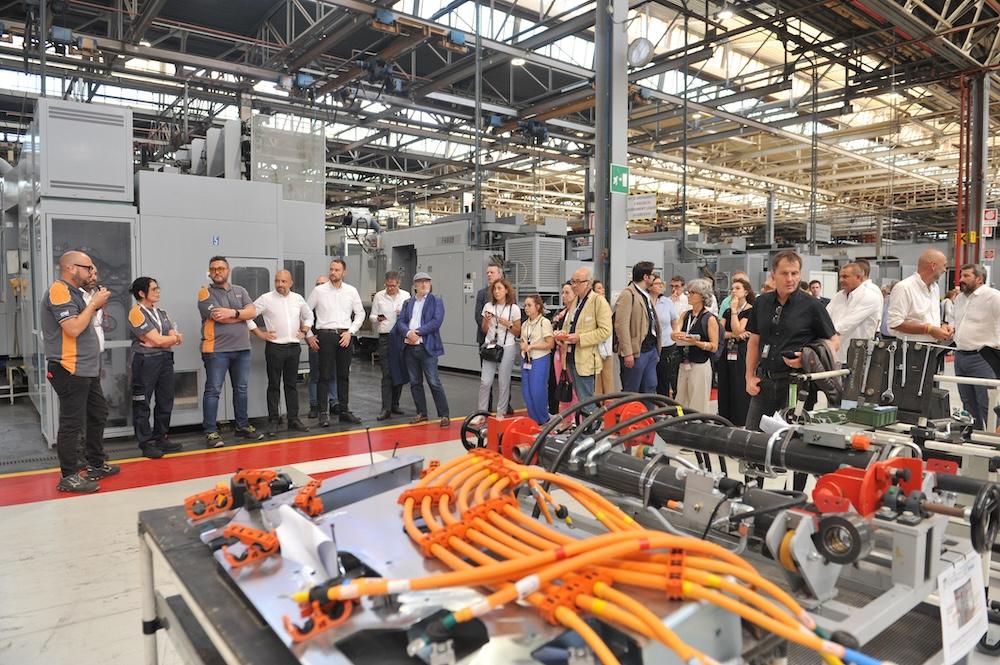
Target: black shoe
{"type": "Point", "coordinates": [103, 471]}
{"type": "Point", "coordinates": [348, 417]}
{"type": "Point", "coordinates": [272, 428]}
{"type": "Point", "coordinates": [151, 451]}
{"type": "Point", "coordinates": [396, 411]}
{"type": "Point", "coordinates": [78, 484]}
{"type": "Point", "coordinates": [334, 408]}
{"type": "Point", "coordinates": [296, 425]}
{"type": "Point", "coordinates": [324, 420]}
{"type": "Point", "coordinates": [417, 419]}
{"type": "Point", "coordinates": [445, 421]}
{"type": "Point", "coordinates": [214, 440]}
{"type": "Point", "coordinates": [313, 411]}
{"type": "Point", "coordinates": [249, 432]}
{"type": "Point", "coordinates": [510, 410]}
{"type": "Point", "coordinates": [168, 446]}
{"type": "Point", "coordinates": [385, 415]}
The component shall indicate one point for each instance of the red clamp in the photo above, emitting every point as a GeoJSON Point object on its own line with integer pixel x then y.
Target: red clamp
{"type": "Point", "coordinates": [259, 544]}
{"type": "Point", "coordinates": [564, 594]}
{"type": "Point", "coordinates": [483, 509]}
{"type": "Point", "coordinates": [256, 481]}
{"type": "Point", "coordinates": [211, 502]}
{"type": "Point", "coordinates": [307, 501]}
{"type": "Point", "coordinates": [430, 467]}
{"type": "Point", "coordinates": [864, 488]}
{"type": "Point", "coordinates": [318, 618]}
{"type": "Point", "coordinates": [442, 537]}
{"type": "Point", "coordinates": [418, 494]}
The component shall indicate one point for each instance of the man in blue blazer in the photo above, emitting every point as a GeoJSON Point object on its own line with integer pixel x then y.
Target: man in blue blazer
{"type": "Point", "coordinates": [419, 326]}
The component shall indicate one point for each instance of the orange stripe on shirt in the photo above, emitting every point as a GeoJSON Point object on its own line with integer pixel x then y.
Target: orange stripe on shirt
{"type": "Point", "coordinates": [69, 357]}
{"type": "Point", "coordinates": [208, 332]}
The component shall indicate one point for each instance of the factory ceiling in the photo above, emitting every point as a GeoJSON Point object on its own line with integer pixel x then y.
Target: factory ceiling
{"type": "Point", "coordinates": [849, 108]}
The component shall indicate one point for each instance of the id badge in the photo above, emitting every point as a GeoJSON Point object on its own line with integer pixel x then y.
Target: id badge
{"type": "Point", "coordinates": [766, 351]}
{"type": "Point", "coordinates": [731, 355]}
{"type": "Point", "coordinates": [526, 364]}
{"type": "Point", "coordinates": [731, 349]}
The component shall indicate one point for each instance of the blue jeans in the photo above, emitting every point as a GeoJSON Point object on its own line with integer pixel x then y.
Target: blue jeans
{"type": "Point", "coordinates": [420, 364]}
{"type": "Point", "coordinates": [314, 379]}
{"type": "Point", "coordinates": [641, 377]}
{"type": "Point", "coordinates": [237, 363]}
{"type": "Point", "coordinates": [535, 388]}
{"type": "Point", "coordinates": [583, 386]}
{"type": "Point", "coordinates": [975, 399]}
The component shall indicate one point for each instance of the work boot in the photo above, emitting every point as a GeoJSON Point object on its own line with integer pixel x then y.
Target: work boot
{"type": "Point", "coordinates": [296, 425]}
{"type": "Point", "coordinates": [151, 451]}
{"type": "Point", "coordinates": [77, 484]}
{"type": "Point", "coordinates": [348, 417]}
{"type": "Point", "coordinates": [168, 446]}
{"type": "Point", "coordinates": [249, 432]}
{"type": "Point", "coordinates": [103, 471]}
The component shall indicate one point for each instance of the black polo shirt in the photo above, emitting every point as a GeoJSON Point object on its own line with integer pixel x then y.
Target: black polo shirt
{"type": "Point", "coordinates": [789, 327]}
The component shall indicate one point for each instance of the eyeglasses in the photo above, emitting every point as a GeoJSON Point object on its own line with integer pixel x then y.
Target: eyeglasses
{"type": "Point", "coordinates": [777, 316]}
{"type": "Point", "coordinates": [217, 269]}
{"type": "Point", "coordinates": [91, 268]}
{"type": "Point", "coordinates": [676, 286]}
{"type": "Point", "coordinates": [579, 281]}
{"type": "Point", "coordinates": [154, 288]}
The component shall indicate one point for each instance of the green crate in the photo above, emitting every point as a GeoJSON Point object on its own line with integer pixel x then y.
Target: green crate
{"type": "Point", "coordinates": [830, 416]}
{"type": "Point", "coordinates": [874, 416]}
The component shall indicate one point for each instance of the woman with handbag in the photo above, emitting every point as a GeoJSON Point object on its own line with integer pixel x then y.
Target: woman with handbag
{"type": "Point", "coordinates": [605, 381]}
{"type": "Point", "coordinates": [560, 386]}
{"type": "Point", "coordinates": [537, 340]}
{"type": "Point", "coordinates": [502, 326]}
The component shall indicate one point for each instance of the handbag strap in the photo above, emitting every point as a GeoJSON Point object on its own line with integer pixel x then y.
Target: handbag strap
{"type": "Point", "coordinates": [496, 322]}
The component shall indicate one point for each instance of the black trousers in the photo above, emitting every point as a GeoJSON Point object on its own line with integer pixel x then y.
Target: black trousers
{"type": "Point", "coordinates": [667, 369]}
{"type": "Point", "coordinates": [152, 374]}
{"type": "Point", "coordinates": [390, 393]}
{"type": "Point", "coordinates": [82, 410]}
{"type": "Point", "coordinates": [773, 396]}
{"type": "Point", "coordinates": [334, 361]}
{"type": "Point", "coordinates": [282, 363]}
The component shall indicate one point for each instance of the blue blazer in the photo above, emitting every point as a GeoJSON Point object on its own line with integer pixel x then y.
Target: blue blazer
{"type": "Point", "coordinates": [431, 319]}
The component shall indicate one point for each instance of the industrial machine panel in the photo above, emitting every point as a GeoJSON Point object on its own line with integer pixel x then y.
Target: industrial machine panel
{"type": "Point", "coordinates": [85, 150]}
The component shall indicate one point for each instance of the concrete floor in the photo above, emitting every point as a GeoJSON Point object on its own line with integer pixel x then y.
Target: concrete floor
{"type": "Point", "coordinates": [22, 447]}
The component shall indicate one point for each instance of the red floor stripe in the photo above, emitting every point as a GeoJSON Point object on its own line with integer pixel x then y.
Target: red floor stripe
{"type": "Point", "coordinates": [22, 489]}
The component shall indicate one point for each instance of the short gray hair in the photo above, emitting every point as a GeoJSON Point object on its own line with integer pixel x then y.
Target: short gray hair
{"type": "Point", "coordinates": [703, 288]}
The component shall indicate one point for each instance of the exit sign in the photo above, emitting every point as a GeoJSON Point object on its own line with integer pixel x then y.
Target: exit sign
{"type": "Point", "coordinates": [619, 179]}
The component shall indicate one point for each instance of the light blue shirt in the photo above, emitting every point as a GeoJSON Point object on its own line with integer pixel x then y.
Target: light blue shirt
{"type": "Point", "coordinates": [666, 313]}
{"type": "Point", "coordinates": [418, 310]}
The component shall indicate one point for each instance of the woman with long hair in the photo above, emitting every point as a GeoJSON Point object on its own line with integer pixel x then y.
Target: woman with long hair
{"type": "Point", "coordinates": [502, 326]}
{"type": "Point", "coordinates": [537, 341]}
{"type": "Point", "coordinates": [734, 402]}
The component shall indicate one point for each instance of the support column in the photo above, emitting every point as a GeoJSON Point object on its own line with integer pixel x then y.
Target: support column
{"type": "Point", "coordinates": [769, 220]}
{"type": "Point", "coordinates": [979, 128]}
{"type": "Point", "coordinates": [610, 232]}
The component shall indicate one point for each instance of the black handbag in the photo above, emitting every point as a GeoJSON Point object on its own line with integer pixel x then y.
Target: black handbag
{"type": "Point", "coordinates": [493, 354]}
{"type": "Point", "coordinates": [564, 391]}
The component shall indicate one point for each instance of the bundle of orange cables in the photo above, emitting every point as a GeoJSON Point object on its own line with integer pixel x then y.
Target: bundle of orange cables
{"type": "Point", "coordinates": [475, 527]}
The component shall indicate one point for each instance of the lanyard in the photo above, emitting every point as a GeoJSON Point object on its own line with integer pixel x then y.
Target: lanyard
{"type": "Point", "coordinates": [692, 320]}
{"type": "Point", "coordinates": [154, 316]}
{"type": "Point", "coordinates": [496, 324]}
{"type": "Point", "coordinates": [531, 332]}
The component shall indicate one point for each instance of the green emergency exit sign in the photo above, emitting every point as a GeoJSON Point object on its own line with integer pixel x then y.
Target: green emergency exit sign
{"type": "Point", "coordinates": [619, 179]}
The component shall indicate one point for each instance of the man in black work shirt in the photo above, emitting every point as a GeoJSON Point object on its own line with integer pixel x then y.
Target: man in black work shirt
{"type": "Point", "coordinates": [781, 322]}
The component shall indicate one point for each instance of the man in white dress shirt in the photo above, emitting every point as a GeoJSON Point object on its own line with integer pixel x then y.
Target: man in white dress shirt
{"type": "Point", "coordinates": [287, 319]}
{"type": "Point", "coordinates": [386, 306]}
{"type": "Point", "coordinates": [339, 316]}
{"type": "Point", "coordinates": [977, 336]}
{"type": "Point", "coordinates": [914, 306]}
{"type": "Point", "coordinates": [855, 310]}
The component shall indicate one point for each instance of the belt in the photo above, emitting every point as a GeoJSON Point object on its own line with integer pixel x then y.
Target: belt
{"type": "Point", "coordinates": [331, 331]}
{"type": "Point", "coordinates": [968, 353]}
{"type": "Point", "coordinates": [773, 376]}
{"type": "Point", "coordinates": [283, 343]}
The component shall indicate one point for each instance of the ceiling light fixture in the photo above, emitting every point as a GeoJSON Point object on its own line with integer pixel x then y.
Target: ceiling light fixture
{"type": "Point", "coordinates": [725, 13]}
{"type": "Point", "coordinates": [518, 62]}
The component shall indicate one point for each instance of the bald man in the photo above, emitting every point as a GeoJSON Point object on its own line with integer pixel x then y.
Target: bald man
{"type": "Point", "coordinates": [914, 305]}
{"type": "Point", "coordinates": [73, 367]}
{"type": "Point", "coordinates": [287, 321]}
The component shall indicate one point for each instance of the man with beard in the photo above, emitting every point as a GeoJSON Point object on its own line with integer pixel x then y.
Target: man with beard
{"type": "Point", "coordinates": [977, 337]}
